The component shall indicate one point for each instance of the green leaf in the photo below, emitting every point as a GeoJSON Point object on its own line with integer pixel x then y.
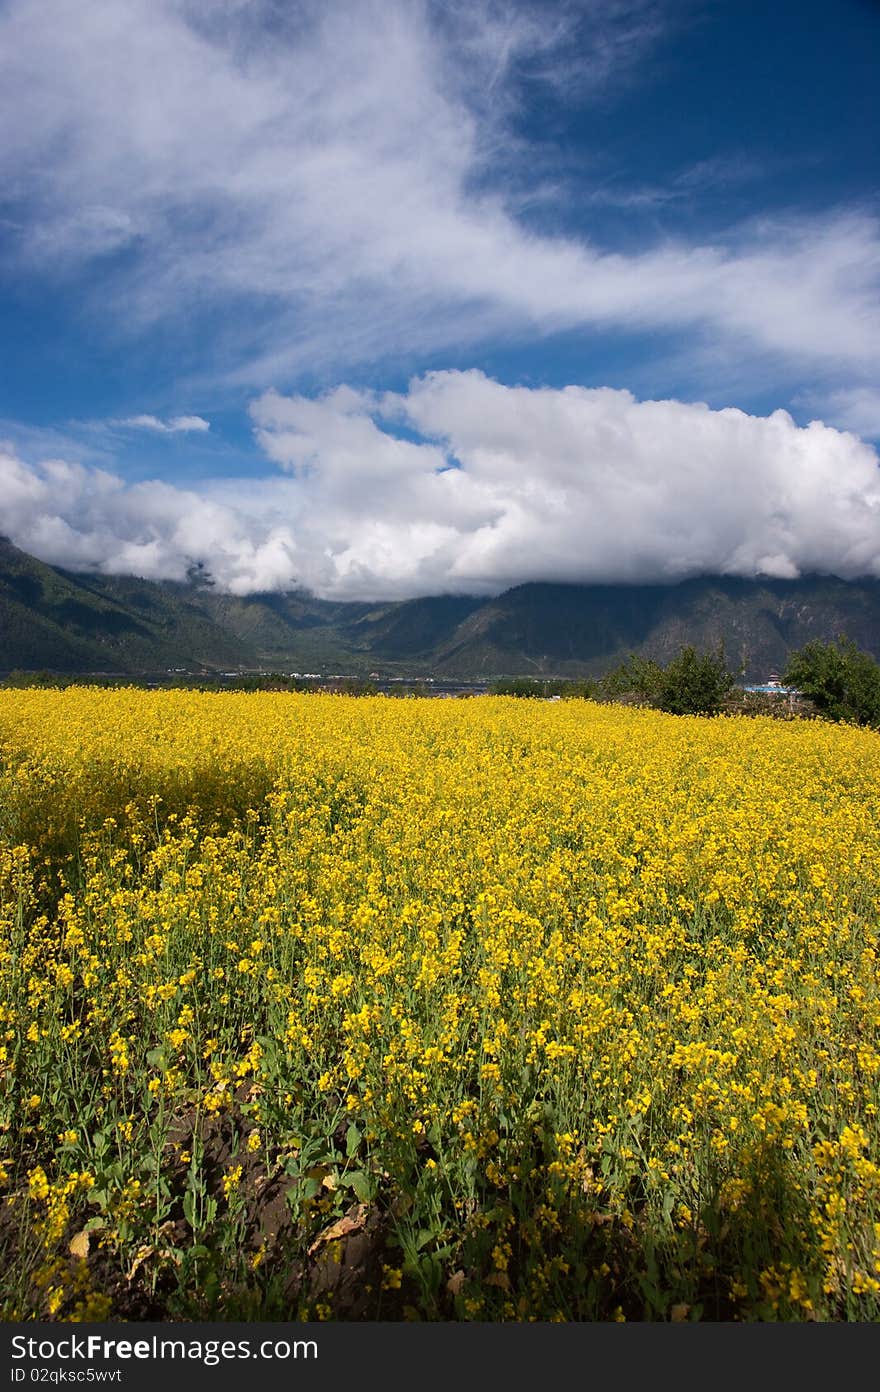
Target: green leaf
{"type": "Point", "coordinates": [352, 1141]}
{"type": "Point", "coordinates": [189, 1208]}
{"type": "Point", "coordinates": [362, 1185]}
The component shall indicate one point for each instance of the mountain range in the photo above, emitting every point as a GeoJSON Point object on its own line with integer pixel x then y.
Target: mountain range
{"type": "Point", "coordinates": [77, 623]}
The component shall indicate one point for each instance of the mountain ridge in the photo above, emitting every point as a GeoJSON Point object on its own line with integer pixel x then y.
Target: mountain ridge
{"type": "Point", "coordinates": [66, 621]}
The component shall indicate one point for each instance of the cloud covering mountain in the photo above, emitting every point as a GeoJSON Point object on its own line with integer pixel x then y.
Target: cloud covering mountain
{"type": "Point", "coordinates": [462, 484]}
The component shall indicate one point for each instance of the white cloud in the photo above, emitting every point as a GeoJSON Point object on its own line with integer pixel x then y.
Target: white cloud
{"type": "Point", "coordinates": [335, 181]}
{"type": "Point", "coordinates": [463, 484]}
{"type": "Point", "coordinates": [573, 484]}
{"type": "Point", "coordinates": [174, 426]}
{"type": "Point", "coordinates": [87, 519]}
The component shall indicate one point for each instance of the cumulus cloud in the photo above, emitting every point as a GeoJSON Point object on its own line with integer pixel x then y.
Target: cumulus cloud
{"type": "Point", "coordinates": [338, 182]}
{"type": "Point", "coordinates": [462, 484]}
{"type": "Point", "coordinates": [85, 518]}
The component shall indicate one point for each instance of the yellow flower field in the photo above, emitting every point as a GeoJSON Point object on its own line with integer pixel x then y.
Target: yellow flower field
{"type": "Point", "coordinates": [329, 1007]}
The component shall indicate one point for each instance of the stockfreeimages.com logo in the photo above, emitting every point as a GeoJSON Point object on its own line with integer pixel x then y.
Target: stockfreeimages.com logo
{"type": "Point", "coordinates": [95, 1347]}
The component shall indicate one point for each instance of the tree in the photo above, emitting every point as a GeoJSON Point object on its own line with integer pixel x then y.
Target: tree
{"type": "Point", "coordinates": [842, 681]}
{"type": "Point", "coordinates": [692, 684]}
{"type": "Point", "coordinates": [638, 676]}
{"type": "Point", "coordinates": [695, 683]}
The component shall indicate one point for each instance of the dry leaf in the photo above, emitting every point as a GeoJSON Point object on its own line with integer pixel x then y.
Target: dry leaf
{"type": "Point", "coordinates": [79, 1245]}
{"type": "Point", "coordinates": [679, 1313]}
{"type": "Point", "coordinates": [498, 1278]}
{"type": "Point", "coordinates": [143, 1253]}
{"type": "Point", "coordinates": [455, 1282]}
{"type": "Point", "coordinates": [163, 1253]}
{"type": "Point", "coordinates": [350, 1223]}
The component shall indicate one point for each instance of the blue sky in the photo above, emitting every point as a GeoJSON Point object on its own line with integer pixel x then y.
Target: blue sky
{"type": "Point", "coordinates": [395, 297]}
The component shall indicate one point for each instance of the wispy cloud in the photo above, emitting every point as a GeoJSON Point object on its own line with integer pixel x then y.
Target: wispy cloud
{"type": "Point", "coordinates": [850, 408]}
{"type": "Point", "coordinates": [320, 185]}
{"type": "Point", "coordinates": [176, 425]}
{"type": "Point", "coordinates": [722, 171]}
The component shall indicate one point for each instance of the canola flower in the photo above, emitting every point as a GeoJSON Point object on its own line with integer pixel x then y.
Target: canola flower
{"type": "Point", "coordinates": [571, 1011]}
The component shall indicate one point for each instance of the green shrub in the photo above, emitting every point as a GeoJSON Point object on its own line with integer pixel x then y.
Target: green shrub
{"type": "Point", "coordinates": [542, 688]}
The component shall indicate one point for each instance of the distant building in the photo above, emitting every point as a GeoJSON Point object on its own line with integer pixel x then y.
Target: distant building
{"type": "Point", "coordinates": [773, 686]}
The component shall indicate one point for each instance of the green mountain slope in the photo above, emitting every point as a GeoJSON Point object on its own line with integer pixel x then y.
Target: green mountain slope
{"type": "Point", "coordinates": [65, 622]}
{"type": "Point", "coordinates": [582, 630]}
